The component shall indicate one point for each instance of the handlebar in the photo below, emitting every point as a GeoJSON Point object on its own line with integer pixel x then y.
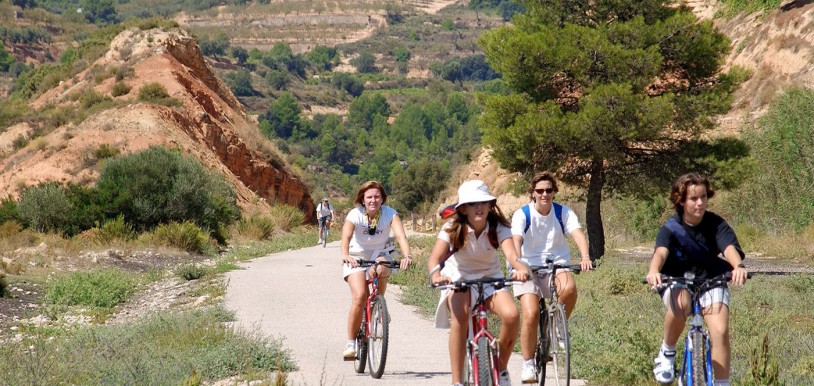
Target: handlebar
{"type": "Point", "coordinates": [497, 282]}
{"type": "Point", "coordinates": [368, 263]}
{"type": "Point", "coordinates": [692, 281]}
{"type": "Point", "coordinates": [576, 268]}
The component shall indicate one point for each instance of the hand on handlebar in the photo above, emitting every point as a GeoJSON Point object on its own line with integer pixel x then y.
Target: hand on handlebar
{"type": "Point", "coordinates": [440, 280]}
{"type": "Point", "coordinates": [586, 265]}
{"type": "Point", "coordinates": [521, 274]}
{"type": "Point", "coordinates": [739, 276]}
{"type": "Point", "coordinates": [352, 262]}
{"type": "Point", "coordinates": [653, 278]}
{"type": "Point", "coordinates": [405, 263]}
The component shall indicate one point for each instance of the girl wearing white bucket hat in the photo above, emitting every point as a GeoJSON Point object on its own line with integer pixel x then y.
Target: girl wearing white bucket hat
{"type": "Point", "coordinates": [469, 241]}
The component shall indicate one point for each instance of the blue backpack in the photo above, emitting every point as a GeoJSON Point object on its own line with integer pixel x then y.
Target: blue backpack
{"type": "Point", "coordinates": [557, 212]}
{"type": "Point", "coordinates": [690, 246]}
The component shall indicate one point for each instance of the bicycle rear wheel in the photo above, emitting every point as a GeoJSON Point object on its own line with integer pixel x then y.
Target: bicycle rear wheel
{"type": "Point", "coordinates": [379, 334]}
{"type": "Point", "coordinates": [560, 347]}
{"type": "Point", "coordinates": [699, 356]}
{"type": "Point", "coordinates": [541, 354]}
{"type": "Point", "coordinates": [485, 369]}
{"type": "Point", "coordinates": [361, 348]}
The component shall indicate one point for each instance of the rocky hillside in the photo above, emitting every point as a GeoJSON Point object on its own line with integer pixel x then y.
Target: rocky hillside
{"type": "Point", "coordinates": [210, 124]}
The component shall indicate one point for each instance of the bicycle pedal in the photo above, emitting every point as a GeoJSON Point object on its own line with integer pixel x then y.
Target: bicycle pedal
{"type": "Point", "coordinates": [350, 359]}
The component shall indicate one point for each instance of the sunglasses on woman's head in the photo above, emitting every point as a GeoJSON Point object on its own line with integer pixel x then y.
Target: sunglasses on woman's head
{"type": "Point", "coordinates": [541, 191]}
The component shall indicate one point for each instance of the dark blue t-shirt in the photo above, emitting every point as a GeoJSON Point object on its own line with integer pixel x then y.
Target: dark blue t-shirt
{"type": "Point", "coordinates": [713, 232]}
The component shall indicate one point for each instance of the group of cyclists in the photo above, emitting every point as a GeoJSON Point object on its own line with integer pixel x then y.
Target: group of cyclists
{"type": "Point", "coordinates": [467, 245]}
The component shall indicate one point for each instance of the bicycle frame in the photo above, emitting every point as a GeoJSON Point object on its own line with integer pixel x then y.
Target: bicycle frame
{"type": "Point", "coordinates": [549, 315]}
{"type": "Point", "coordinates": [366, 328]}
{"type": "Point", "coordinates": [696, 289]}
{"type": "Point", "coordinates": [478, 325]}
{"type": "Point", "coordinates": [480, 321]}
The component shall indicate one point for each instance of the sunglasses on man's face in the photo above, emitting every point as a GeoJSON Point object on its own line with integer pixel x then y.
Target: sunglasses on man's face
{"type": "Point", "coordinates": [541, 191]}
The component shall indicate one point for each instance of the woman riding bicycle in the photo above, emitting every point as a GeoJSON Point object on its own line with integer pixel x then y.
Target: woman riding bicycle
{"type": "Point", "coordinates": [367, 231]}
{"type": "Point", "coordinates": [325, 213]}
{"type": "Point", "coordinates": [689, 195]}
{"type": "Point", "coordinates": [473, 234]}
{"type": "Point", "coordinates": [539, 233]}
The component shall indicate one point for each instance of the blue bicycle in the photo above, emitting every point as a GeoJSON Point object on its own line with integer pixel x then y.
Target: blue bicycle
{"type": "Point", "coordinates": [697, 366]}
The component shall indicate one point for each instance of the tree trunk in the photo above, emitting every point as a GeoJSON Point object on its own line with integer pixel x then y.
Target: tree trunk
{"type": "Point", "coordinates": [593, 214]}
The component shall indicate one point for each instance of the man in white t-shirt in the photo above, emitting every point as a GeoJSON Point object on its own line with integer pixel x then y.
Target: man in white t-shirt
{"type": "Point", "coordinates": [325, 213]}
{"type": "Point", "coordinates": [539, 232]}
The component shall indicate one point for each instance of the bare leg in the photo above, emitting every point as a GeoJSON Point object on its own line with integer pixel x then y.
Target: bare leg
{"type": "Point", "coordinates": [717, 318]}
{"type": "Point", "coordinates": [567, 291]}
{"type": "Point", "coordinates": [358, 292]}
{"type": "Point", "coordinates": [530, 303]}
{"type": "Point", "coordinates": [502, 305]}
{"type": "Point", "coordinates": [676, 315]}
{"type": "Point", "coordinates": [459, 310]}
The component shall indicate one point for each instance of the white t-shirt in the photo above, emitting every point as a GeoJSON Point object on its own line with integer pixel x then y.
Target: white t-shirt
{"type": "Point", "coordinates": [544, 239]}
{"type": "Point", "coordinates": [477, 258]}
{"type": "Point", "coordinates": [362, 241]}
{"type": "Point", "coordinates": [323, 211]}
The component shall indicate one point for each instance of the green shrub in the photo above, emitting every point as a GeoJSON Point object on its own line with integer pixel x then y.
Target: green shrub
{"type": "Point", "coordinates": [256, 227]}
{"type": "Point", "coordinates": [159, 186]}
{"type": "Point", "coordinates": [105, 151]}
{"type": "Point", "coordinates": [190, 271]}
{"type": "Point", "coordinates": [101, 288]}
{"type": "Point", "coordinates": [11, 110]}
{"type": "Point", "coordinates": [286, 217]}
{"type": "Point", "coordinates": [156, 93]}
{"type": "Point", "coordinates": [8, 210]}
{"type": "Point", "coordinates": [116, 229]}
{"type": "Point", "coordinates": [185, 235]}
{"type": "Point", "coordinates": [46, 208]}
{"type": "Point", "coordinates": [119, 89]}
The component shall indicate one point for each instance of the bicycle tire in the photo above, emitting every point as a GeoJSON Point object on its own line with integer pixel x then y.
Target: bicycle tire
{"type": "Point", "coordinates": [379, 337]}
{"type": "Point", "coordinates": [699, 358]}
{"type": "Point", "coordinates": [560, 347]}
{"type": "Point", "coordinates": [541, 351]}
{"type": "Point", "coordinates": [361, 348]}
{"type": "Point", "coordinates": [485, 370]}
{"type": "Point", "coordinates": [324, 236]}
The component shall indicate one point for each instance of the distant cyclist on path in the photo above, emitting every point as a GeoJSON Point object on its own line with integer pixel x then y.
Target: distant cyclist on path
{"type": "Point", "coordinates": [325, 213]}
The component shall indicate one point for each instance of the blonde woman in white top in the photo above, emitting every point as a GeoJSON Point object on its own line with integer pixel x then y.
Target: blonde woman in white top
{"type": "Point", "coordinates": [474, 232]}
{"type": "Point", "coordinates": [365, 236]}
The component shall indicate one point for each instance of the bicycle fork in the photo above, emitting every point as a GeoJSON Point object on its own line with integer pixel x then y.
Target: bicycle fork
{"type": "Point", "coordinates": [690, 351]}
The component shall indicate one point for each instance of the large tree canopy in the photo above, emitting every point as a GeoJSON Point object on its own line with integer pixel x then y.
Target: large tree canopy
{"type": "Point", "coordinates": [612, 95]}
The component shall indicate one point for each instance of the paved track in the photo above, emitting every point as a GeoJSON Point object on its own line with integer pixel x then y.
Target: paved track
{"type": "Point", "coordinates": [269, 296]}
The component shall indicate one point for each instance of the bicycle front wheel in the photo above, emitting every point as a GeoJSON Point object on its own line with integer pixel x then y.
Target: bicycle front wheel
{"type": "Point", "coordinates": [485, 368]}
{"type": "Point", "coordinates": [541, 353]}
{"type": "Point", "coordinates": [324, 236]}
{"type": "Point", "coordinates": [560, 347]}
{"type": "Point", "coordinates": [379, 334]}
{"type": "Point", "coordinates": [699, 356]}
{"type": "Point", "coordinates": [361, 348]}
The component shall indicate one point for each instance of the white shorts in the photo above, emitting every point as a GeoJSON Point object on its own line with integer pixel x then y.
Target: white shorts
{"type": "Point", "coordinates": [442, 312]}
{"type": "Point", "coordinates": [347, 270]}
{"type": "Point", "coordinates": [537, 284]}
{"type": "Point", "coordinates": [708, 298]}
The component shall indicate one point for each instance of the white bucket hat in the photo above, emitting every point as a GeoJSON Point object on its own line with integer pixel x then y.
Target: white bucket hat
{"type": "Point", "coordinates": [473, 191]}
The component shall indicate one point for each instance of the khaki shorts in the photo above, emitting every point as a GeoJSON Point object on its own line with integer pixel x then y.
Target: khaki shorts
{"type": "Point", "coordinates": [538, 284]}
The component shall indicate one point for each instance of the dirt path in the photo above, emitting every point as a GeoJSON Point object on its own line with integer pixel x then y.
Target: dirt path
{"type": "Point", "coordinates": [268, 296]}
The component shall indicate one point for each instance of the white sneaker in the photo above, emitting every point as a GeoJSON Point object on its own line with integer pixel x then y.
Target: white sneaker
{"type": "Point", "coordinates": [529, 374]}
{"type": "Point", "coordinates": [319, 241]}
{"type": "Point", "coordinates": [664, 369]}
{"type": "Point", "coordinates": [503, 378]}
{"type": "Point", "coordinates": [350, 351]}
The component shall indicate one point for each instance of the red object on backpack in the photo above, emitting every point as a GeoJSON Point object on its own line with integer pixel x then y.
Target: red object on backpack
{"type": "Point", "coordinates": [447, 212]}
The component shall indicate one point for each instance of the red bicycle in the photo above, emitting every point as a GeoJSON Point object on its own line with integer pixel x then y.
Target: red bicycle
{"type": "Point", "coordinates": [374, 332]}
{"type": "Point", "coordinates": [481, 364]}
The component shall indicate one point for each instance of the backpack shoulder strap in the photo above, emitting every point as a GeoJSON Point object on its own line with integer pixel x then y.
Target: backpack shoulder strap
{"type": "Point", "coordinates": [527, 212]}
{"type": "Point", "coordinates": [558, 213]}
{"type": "Point", "coordinates": [689, 244]}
